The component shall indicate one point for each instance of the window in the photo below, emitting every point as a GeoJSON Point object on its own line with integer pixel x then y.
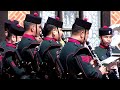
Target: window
{"type": "Point", "coordinates": [68, 18]}
{"type": "Point", "coordinates": [94, 18]}
{"type": "Point", "coordinates": [45, 15]}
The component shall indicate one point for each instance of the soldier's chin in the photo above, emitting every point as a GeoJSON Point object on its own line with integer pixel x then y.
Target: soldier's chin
{"type": "Point", "coordinates": [14, 42]}
{"type": "Point", "coordinates": [107, 44]}
{"type": "Point", "coordinates": [82, 42]}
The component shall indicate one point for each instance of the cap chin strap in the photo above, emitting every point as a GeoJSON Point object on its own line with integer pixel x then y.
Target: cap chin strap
{"type": "Point", "coordinates": [36, 31]}
{"type": "Point", "coordinates": [102, 41]}
{"type": "Point", "coordinates": [58, 34]}
{"type": "Point", "coordinates": [16, 38]}
{"type": "Point", "coordinates": [84, 37]}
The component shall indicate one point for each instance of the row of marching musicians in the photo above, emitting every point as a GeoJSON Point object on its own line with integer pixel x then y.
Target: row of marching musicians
{"type": "Point", "coordinates": [48, 57]}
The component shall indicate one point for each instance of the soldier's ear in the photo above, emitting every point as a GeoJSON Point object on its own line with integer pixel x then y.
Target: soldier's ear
{"type": "Point", "coordinates": [14, 38]}
{"type": "Point", "coordinates": [53, 31]}
{"type": "Point", "coordinates": [81, 34]}
{"type": "Point", "coordinates": [32, 27]}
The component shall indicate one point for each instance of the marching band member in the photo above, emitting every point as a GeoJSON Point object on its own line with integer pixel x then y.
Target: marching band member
{"type": "Point", "coordinates": [103, 51]}
{"type": "Point", "coordinates": [75, 58]}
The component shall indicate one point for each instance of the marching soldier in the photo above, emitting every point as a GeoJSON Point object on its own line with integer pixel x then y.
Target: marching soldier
{"type": "Point", "coordinates": [32, 26]}
{"type": "Point", "coordinates": [104, 50]}
{"type": "Point", "coordinates": [7, 24]}
{"type": "Point", "coordinates": [50, 48]}
{"type": "Point", "coordinates": [75, 58]}
{"type": "Point", "coordinates": [9, 67]}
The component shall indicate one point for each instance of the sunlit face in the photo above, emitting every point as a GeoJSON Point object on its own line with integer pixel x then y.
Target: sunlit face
{"type": "Point", "coordinates": [106, 39]}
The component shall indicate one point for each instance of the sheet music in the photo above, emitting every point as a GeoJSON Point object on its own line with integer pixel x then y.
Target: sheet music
{"type": "Point", "coordinates": [110, 60]}
{"type": "Point", "coordinates": [115, 54]}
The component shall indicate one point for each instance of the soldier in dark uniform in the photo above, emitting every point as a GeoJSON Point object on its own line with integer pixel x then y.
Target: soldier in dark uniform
{"type": "Point", "coordinates": [49, 49]}
{"type": "Point", "coordinates": [32, 26]}
{"type": "Point", "coordinates": [7, 23]}
{"type": "Point", "coordinates": [104, 50]}
{"type": "Point", "coordinates": [9, 67]}
{"type": "Point", "coordinates": [75, 58]}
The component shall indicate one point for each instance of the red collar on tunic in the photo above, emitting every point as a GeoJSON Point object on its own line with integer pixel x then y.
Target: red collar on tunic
{"type": "Point", "coordinates": [48, 39]}
{"type": "Point", "coordinates": [11, 45]}
{"type": "Point", "coordinates": [103, 46]}
{"type": "Point", "coordinates": [29, 36]}
{"type": "Point", "coordinates": [73, 40]}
